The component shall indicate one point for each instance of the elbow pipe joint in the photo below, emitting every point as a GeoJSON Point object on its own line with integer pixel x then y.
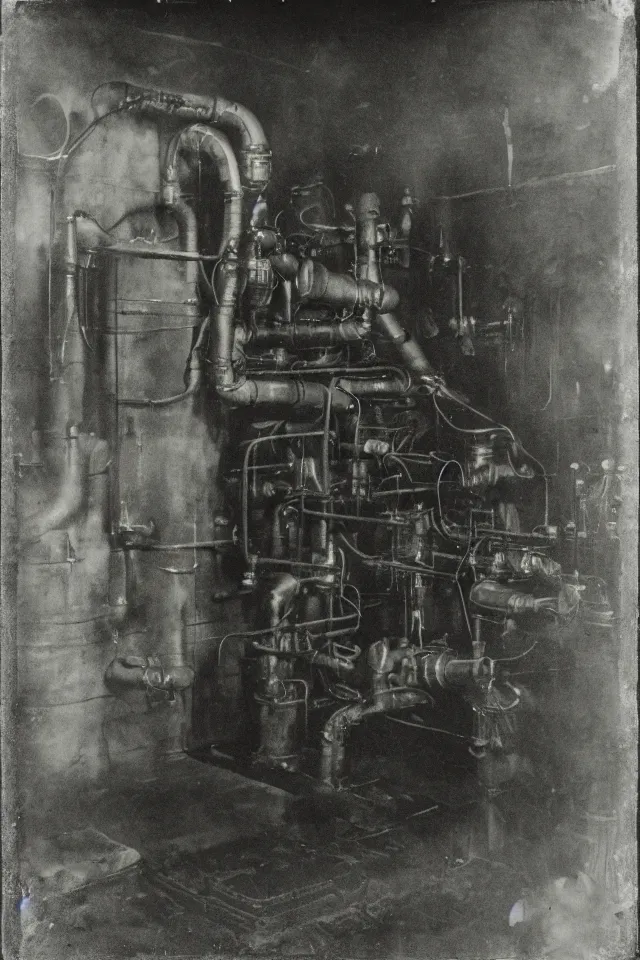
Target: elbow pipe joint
{"type": "Point", "coordinates": [285, 264]}
{"type": "Point", "coordinates": [200, 136]}
{"type": "Point", "coordinates": [197, 137]}
{"type": "Point", "coordinates": [255, 155]}
{"type": "Point", "coordinates": [336, 730]}
{"type": "Point", "coordinates": [139, 673]}
{"type": "Point", "coordinates": [71, 497]}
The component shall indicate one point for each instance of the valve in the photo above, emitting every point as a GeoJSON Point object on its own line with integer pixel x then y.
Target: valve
{"type": "Point", "coordinates": [250, 576]}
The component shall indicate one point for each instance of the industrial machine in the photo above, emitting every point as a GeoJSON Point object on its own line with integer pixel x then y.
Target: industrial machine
{"type": "Point", "coordinates": [382, 542]}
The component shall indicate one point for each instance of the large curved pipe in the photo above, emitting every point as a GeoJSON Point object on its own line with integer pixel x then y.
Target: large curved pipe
{"type": "Point", "coordinates": [336, 729]}
{"type": "Point", "coordinates": [239, 392]}
{"type": "Point", "coordinates": [71, 495]}
{"type": "Point", "coordinates": [205, 139]}
{"type": "Point", "coordinates": [188, 232]}
{"type": "Point", "coordinates": [255, 154]}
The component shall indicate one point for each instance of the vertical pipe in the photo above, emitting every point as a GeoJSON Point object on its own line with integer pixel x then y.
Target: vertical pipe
{"type": "Point", "coordinates": [444, 219]}
{"type": "Point", "coordinates": [367, 213]}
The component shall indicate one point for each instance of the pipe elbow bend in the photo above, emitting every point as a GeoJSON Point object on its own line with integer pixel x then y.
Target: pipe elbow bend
{"type": "Point", "coordinates": [242, 394]}
{"type": "Point", "coordinates": [67, 504]}
{"type": "Point", "coordinates": [338, 725]}
{"type": "Point", "coordinates": [255, 155]}
{"type": "Point", "coordinates": [138, 673]}
{"type": "Point", "coordinates": [62, 512]}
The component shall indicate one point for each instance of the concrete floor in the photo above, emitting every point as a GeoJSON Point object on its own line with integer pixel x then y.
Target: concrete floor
{"type": "Point", "coordinates": [432, 899]}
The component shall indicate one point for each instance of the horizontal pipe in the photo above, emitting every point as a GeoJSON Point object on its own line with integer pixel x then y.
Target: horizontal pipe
{"type": "Point", "coordinates": [315, 657]}
{"type": "Point", "coordinates": [374, 388]}
{"type": "Point", "coordinates": [303, 564]}
{"type": "Point", "coordinates": [533, 182]}
{"type": "Point", "coordinates": [513, 536]}
{"type": "Point", "coordinates": [380, 521]}
{"type": "Point", "coordinates": [291, 392]}
{"type": "Point", "coordinates": [152, 251]}
{"type": "Point", "coordinates": [360, 386]}
{"type": "Point", "coordinates": [349, 370]}
{"type": "Point", "coordinates": [317, 334]}
{"type": "Point", "coordinates": [442, 669]}
{"type": "Point", "coordinates": [459, 673]}
{"type": "Point", "coordinates": [502, 598]}
{"type": "Point", "coordinates": [315, 282]}
{"type": "Point", "coordinates": [393, 491]}
{"type": "Point", "coordinates": [378, 562]}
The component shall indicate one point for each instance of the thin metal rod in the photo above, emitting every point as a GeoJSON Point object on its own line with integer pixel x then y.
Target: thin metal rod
{"type": "Point", "coordinates": [392, 491]}
{"type": "Point", "coordinates": [534, 182]}
{"type": "Point", "coordinates": [152, 253]}
{"type": "Point", "coordinates": [349, 516]}
{"type": "Point", "coordinates": [198, 545]}
{"type": "Point", "coordinates": [360, 373]}
{"type": "Point", "coordinates": [276, 561]}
